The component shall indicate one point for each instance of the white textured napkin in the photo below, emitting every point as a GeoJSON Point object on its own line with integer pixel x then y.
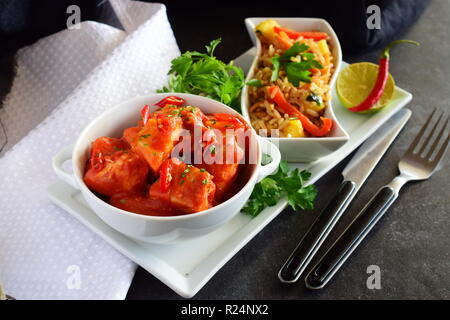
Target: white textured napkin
{"type": "Point", "coordinates": [63, 82]}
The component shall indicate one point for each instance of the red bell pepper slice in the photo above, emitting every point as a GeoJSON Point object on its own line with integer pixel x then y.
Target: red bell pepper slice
{"type": "Point", "coordinates": [277, 96]}
{"type": "Point", "coordinates": [165, 176]}
{"type": "Point", "coordinates": [316, 36]}
{"type": "Point", "coordinates": [145, 112]}
{"type": "Point", "coordinates": [283, 41]}
{"type": "Point", "coordinates": [171, 100]}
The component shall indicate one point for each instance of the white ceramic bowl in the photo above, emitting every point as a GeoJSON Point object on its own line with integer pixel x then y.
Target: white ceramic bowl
{"type": "Point", "coordinates": [302, 149]}
{"type": "Point", "coordinates": [153, 228]}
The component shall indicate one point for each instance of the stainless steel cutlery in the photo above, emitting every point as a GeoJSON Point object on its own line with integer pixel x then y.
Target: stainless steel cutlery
{"type": "Point", "coordinates": [419, 162]}
{"type": "Point", "coordinates": [355, 174]}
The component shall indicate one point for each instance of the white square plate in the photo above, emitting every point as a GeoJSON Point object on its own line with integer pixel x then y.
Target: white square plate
{"type": "Point", "coordinates": [188, 266]}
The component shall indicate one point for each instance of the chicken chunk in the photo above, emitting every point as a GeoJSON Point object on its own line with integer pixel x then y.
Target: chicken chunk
{"type": "Point", "coordinates": [225, 154]}
{"type": "Point", "coordinates": [130, 135]}
{"type": "Point", "coordinates": [114, 168]}
{"type": "Point", "coordinates": [189, 189]}
{"type": "Point", "coordinates": [156, 139]}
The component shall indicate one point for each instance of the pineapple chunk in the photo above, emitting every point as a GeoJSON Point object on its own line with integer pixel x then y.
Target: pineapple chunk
{"type": "Point", "coordinates": [294, 129]}
{"type": "Point", "coordinates": [323, 47]}
{"type": "Point", "coordinates": [317, 107]}
{"type": "Point", "coordinates": [266, 28]}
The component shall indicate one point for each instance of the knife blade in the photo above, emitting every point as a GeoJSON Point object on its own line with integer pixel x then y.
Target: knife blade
{"type": "Point", "coordinates": [355, 174]}
{"type": "Point", "coordinates": [371, 151]}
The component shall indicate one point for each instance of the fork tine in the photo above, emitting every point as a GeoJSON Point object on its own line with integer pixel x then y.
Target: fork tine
{"type": "Point", "coordinates": [414, 144]}
{"type": "Point", "coordinates": [430, 135]}
{"type": "Point", "coordinates": [441, 152]}
{"type": "Point", "coordinates": [438, 138]}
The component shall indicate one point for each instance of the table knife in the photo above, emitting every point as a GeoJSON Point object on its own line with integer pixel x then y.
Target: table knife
{"type": "Point", "coordinates": [355, 174]}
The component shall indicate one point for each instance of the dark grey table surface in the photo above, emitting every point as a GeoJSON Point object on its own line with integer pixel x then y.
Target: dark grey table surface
{"type": "Point", "coordinates": [410, 244]}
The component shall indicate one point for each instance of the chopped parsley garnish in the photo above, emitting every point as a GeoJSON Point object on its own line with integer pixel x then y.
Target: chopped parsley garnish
{"type": "Point", "coordinates": [185, 172]}
{"type": "Point", "coordinates": [145, 136]}
{"type": "Point", "coordinates": [254, 83]}
{"type": "Point", "coordinates": [296, 71]}
{"type": "Point", "coordinates": [285, 182]}
{"type": "Point", "coordinates": [315, 98]}
{"type": "Point", "coordinates": [119, 149]}
{"type": "Point", "coordinates": [213, 149]}
{"type": "Point", "coordinates": [192, 109]}
{"type": "Point", "coordinates": [204, 181]}
{"type": "Point", "coordinates": [202, 170]}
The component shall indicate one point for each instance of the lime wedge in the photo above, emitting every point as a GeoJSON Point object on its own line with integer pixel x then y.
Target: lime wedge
{"type": "Point", "coordinates": [355, 82]}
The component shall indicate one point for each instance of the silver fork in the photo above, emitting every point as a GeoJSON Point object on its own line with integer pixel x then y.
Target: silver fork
{"type": "Point", "coordinates": [418, 163]}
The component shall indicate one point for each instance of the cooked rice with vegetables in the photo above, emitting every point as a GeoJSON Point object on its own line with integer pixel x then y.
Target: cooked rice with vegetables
{"type": "Point", "coordinates": [290, 89]}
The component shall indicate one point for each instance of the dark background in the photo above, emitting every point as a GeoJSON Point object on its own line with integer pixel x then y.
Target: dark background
{"type": "Point", "coordinates": [410, 244]}
{"type": "Point", "coordinates": [196, 22]}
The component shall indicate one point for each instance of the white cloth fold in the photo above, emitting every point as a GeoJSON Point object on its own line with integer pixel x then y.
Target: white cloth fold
{"type": "Point", "coordinates": [74, 75]}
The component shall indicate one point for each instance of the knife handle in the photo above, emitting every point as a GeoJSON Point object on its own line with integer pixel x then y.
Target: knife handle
{"type": "Point", "coordinates": [317, 233]}
{"type": "Point", "coordinates": [349, 240]}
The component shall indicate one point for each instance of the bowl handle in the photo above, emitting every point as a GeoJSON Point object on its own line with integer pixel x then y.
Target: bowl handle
{"type": "Point", "coordinates": [270, 149]}
{"type": "Point", "coordinates": [58, 160]}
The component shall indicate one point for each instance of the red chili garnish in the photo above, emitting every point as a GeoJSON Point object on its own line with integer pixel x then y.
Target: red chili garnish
{"type": "Point", "coordinates": [228, 118]}
{"type": "Point", "coordinates": [145, 112]}
{"type": "Point", "coordinates": [383, 74]}
{"type": "Point", "coordinates": [165, 176]}
{"type": "Point", "coordinates": [171, 100]}
{"type": "Point", "coordinates": [277, 96]}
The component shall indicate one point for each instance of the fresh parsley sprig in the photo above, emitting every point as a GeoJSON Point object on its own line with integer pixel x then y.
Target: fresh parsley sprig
{"type": "Point", "coordinates": [285, 182]}
{"type": "Point", "coordinates": [295, 71]}
{"type": "Point", "coordinates": [203, 74]}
